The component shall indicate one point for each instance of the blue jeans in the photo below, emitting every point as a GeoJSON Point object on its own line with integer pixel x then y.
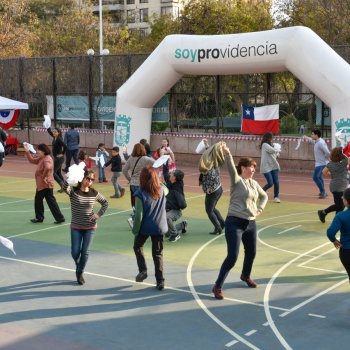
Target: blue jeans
{"type": "Point", "coordinates": [69, 155]}
{"type": "Point", "coordinates": [318, 179]}
{"type": "Point", "coordinates": [237, 230]}
{"type": "Point", "coordinates": [80, 241]}
{"type": "Point", "coordinates": [272, 180]}
{"type": "Point", "coordinates": [101, 173]}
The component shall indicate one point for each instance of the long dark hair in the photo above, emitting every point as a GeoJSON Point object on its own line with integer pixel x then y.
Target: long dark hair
{"type": "Point", "coordinates": [149, 182]}
{"type": "Point", "coordinates": [267, 138]}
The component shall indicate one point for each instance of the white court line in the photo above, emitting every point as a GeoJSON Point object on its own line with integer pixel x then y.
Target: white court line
{"type": "Point", "coordinates": [248, 334]}
{"type": "Point", "coordinates": [323, 270]}
{"type": "Point", "coordinates": [128, 280]}
{"type": "Point", "coordinates": [277, 248]}
{"type": "Point", "coordinates": [296, 307]}
{"type": "Point", "coordinates": [231, 343]}
{"type": "Point", "coordinates": [319, 316]}
{"type": "Point", "coordinates": [268, 290]}
{"type": "Point", "coordinates": [19, 201]}
{"type": "Point", "coordinates": [201, 304]}
{"type": "Point", "coordinates": [288, 229]}
{"type": "Point", "coordinates": [316, 257]}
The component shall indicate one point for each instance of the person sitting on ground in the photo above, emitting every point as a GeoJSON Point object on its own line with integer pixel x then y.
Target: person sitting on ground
{"type": "Point", "coordinates": [175, 203]}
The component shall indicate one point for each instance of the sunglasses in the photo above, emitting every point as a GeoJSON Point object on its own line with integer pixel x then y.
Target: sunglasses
{"type": "Point", "coordinates": [90, 179]}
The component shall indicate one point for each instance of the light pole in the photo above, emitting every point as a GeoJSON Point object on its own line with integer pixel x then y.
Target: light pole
{"type": "Point", "coordinates": [103, 52]}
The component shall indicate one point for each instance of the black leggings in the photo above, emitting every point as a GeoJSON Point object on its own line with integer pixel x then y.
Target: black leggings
{"type": "Point", "coordinates": [344, 255]}
{"type": "Point", "coordinates": [338, 203]}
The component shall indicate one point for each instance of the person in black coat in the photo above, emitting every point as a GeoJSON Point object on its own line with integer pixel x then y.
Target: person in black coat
{"type": "Point", "coordinates": [58, 151]}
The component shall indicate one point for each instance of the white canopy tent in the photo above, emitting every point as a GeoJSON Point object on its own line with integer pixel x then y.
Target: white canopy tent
{"type": "Point", "coordinates": [8, 104]}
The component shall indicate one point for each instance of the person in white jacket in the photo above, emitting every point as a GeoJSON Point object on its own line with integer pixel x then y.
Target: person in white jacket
{"type": "Point", "coordinates": [269, 165]}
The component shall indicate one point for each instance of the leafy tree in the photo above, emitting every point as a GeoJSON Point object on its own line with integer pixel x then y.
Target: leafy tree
{"type": "Point", "coordinates": [328, 18]}
{"type": "Point", "coordinates": [16, 27]}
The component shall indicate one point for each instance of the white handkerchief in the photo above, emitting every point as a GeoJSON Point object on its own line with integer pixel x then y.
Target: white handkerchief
{"type": "Point", "coordinates": [160, 161]}
{"type": "Point", "coordinates": [298, 144]}
{"type": "Point", "coordinates": [47, 121]}
{"type": "Point", "coordinates": [201, 147]}
{"type": "Point", "coordinates": [30, 147]}
{"type": "Point", "coordinates": [7, 243]}
{"type": "Point", "coordinates": [2, 149]}
{"type": "Point", "coordinates": [75, 174]}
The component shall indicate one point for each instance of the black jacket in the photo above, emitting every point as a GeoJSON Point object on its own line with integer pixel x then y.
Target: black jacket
{"type": "Point", "coordinates": [116, 162]}
{"type": "Point", "coordinates": [58, 146]}
{"type": "Point", "coordinates": [175, 199]}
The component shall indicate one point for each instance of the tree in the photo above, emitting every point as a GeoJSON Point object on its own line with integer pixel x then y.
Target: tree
{"type": "Point", "coordinates": [328, 18]}
{"type": "Point", "coordinates": [16, 29]}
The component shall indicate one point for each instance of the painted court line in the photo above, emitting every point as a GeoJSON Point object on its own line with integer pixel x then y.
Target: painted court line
{"type": "Point", "coordinates": [202, 305]}
{"type": "Point", "coordinates": [33, 263]}
{"type": "Point", "coordinates": [248, 334]}
{"type": "Point", "coordinates": [319, 316]}
{"type": "Point", "coordinates": [296, 307]}
{"type": "Point", "coordinates": [316, 257]}
{"type": "Point", "coordinates": [288, 229]}
{"type": "Point", "coordinates": [231, 343]}
{"type": "Point", "coordinates": [268, 290]}
{"type": "Point", "coordinates": [13, 202]}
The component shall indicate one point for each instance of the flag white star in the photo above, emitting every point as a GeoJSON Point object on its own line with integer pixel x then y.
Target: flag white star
{"type": "Point", "coordinates": [247, 112]}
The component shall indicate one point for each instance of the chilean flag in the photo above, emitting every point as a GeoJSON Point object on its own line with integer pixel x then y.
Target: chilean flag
{"type": "Point", "coordinates": [8, 118]}
{"type": "Point", "coordinates": [259, 120]}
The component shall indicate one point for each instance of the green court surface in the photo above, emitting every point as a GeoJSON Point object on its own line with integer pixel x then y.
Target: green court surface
{"type": "Point", "coordinates": [301, 300]}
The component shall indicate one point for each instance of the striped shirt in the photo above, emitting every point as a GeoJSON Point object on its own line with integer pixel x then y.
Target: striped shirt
{"type": "Point", "coordinates": [82, 204]}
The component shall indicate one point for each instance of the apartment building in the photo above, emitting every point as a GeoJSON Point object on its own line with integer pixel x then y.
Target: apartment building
{"type": "Point", "coordinates": [136, 13]}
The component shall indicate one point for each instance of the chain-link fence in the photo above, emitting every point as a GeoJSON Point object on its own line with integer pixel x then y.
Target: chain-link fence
{"type": "Point", "coordinates": [208, 103]}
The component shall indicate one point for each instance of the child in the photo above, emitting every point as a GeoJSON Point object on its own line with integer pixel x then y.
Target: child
{"type": "Point", "coordinates": [101, 159]}
{"type": "Point", "coordinates": [175, 202]}
{"type": "Point", "coordinates": [84, 157]}
{"type": "Point", "coordinates": [116, 168]}
{"type": "Point", "coordinates": [341, 222]}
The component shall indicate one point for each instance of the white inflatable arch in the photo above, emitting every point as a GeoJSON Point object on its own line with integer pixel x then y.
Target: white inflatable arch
{"type": "Point", "coordinates": [295, 49]}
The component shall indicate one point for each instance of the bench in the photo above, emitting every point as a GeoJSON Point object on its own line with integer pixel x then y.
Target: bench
{"type": "Point", "coordinates": [229, 124]}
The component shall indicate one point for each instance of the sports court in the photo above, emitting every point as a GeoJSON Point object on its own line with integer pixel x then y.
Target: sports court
{"type": "Point", "coordinates": [301, 302]}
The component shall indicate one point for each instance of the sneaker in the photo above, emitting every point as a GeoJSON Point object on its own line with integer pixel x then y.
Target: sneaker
{"type": "Point", "coordinates": [141, 276]}
{"type": "Point", "coordinates": [323, 196]}
{"type": "Point", "coordinates": [277, 200]}
{"type": "Point", "coordinates": [321, 216]}
{"type": "Point", "coordinates": [122, 192]}
{"type": "Point", "coordinates": [218, 292]}
{"type": "Point", "coordinates": [131, 223]}
{"type": "Point", "coordinates": [105, 180]}
{"type": "Point", "coordinates": [250, 283]}
{"type": "Point", "coordinates": [160, 285]}
{"type": "Point", "coordinates": [60, 221]}
{"type": "Point", "coordinates": [114, 196]}
{"type": "Point", "coordinates": [184, 223]}
{"type": "Point", "coordinates": [174, 238]}
{"type": "Point", "coordinates": [60, 190]}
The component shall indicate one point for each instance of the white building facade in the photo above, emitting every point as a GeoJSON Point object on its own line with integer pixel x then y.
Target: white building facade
{"type": "Point", "coordinates": [135, 14]}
